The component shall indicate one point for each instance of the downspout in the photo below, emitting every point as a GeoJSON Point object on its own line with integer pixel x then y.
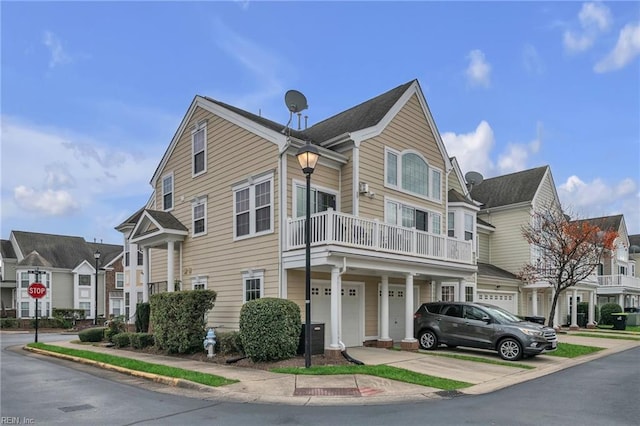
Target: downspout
{"type": "Point", "coordinates": [282, 175]}
{"type": "Point", "coordinates": [343, 348]}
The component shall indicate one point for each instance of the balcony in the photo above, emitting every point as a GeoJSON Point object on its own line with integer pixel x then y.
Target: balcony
{"type": "Point", "coordinates": [618, 281]}
{"type": "Point", "coordinates": [331, 227]}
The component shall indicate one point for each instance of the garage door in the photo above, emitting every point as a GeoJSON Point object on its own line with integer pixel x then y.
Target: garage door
{"type": "Point", "coordinates": [396, 310]}
{"type": "Point", "coordinates": [505, 300]}
{"type": "Point", "coordinates": [352, 311]}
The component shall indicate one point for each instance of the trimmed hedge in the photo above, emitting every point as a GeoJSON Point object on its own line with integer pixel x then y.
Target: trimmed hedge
{"type": "Point", "coordinates": [605, 313]}
{"type": "Point", "coordinates": [143, 312]}
{"type": "Point", "coordinates": [68, 313]}
{"type": "Point", "coordinates": [229, 343]}
{"type": "Point", "coordinates": [9, 323]}
{"type": "Point", "coordinates": [179, 319]}
{"type": "Point", "coordinates": [122, 340]}
{"type": "Point", "coordinates": [95, 334]}
{"type": "Point", "coordinates": [270, 329]}
{"type": "Point", "coordinates": [141, 340]}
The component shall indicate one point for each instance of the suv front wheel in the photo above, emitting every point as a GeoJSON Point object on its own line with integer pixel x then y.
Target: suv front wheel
{"type": "Point", "coordinates": [428, 340]}
{"type": "Point", "coordinates": [510, 349]}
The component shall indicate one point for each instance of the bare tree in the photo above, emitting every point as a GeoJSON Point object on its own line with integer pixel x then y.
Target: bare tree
{"type": "Point", "coordinates": [567, 251]}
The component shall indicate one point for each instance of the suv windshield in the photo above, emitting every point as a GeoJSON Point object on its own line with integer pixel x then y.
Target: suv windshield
{"type": "Point", "coordinates": [501, 314]}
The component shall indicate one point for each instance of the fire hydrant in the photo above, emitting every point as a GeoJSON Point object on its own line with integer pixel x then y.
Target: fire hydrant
{"type": "Point", "coordinates": [210, 343]}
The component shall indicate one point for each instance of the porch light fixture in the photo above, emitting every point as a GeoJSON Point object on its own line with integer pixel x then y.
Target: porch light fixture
{"type": "Point", "coordinates": [96, 256]}
{"type": "Point", "coordinates": [308, 157]}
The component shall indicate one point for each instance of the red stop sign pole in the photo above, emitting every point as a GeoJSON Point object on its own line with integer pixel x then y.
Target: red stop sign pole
{"type": "Point", "coordinates": [37, 291]}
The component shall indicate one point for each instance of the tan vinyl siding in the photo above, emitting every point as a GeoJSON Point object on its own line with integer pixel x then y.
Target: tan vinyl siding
{"type": "Point", "coordinates": [400, 135]}
{"type": "Point", "coordinates": [322, 177]}
{"type": "Point", "coordinates": [454, 183]}
{"type": "Point", "coordinates": [346, 185]}
{"type": "Point", "coordinates": [509, 250]}
{"type": "Point", "coordinates": [484, 254]}
{"type": "Point", "coordinates": [62, 289]}
{"type": "Point", "coordinates": [546, 194]}
{"type": "Point", "coordinates": [216, 255]}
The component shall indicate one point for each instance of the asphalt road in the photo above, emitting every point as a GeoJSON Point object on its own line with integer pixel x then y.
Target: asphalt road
{"type": "Point", "coordinates": [43, 390]}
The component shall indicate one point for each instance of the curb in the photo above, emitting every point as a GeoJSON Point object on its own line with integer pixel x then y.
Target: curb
{"type": "Point", "coordinates": [170, 381]}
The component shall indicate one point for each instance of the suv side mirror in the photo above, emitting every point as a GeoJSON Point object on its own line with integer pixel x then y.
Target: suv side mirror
{"type": "Point", "coordinates": [486, 318]}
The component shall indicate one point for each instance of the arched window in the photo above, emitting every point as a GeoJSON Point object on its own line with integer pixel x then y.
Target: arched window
{"type": "Point", "coordinates": [409, 172]}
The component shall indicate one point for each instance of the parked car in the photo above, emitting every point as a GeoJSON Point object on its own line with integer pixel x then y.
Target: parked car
{"type": "Point", "coordinates": [478, 325]}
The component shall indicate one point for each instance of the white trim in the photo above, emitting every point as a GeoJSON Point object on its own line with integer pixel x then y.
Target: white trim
{"type": "Point", "coordinates": [400, 204]}
{"type": "Point", "coordinates": [295, 183]}
{"type": "Point", "coordinates": [252, 274]}
{"type": "Point", "coordinates": [251, 184]}
{"type": "Point", "coordinates": [116, 283]}
{"type": "Point", "coordinates": [199, 280]}
{"type": "Point", "coordinates": [201, 201]}
{"type": "Point", "coordinates": [398, 186]}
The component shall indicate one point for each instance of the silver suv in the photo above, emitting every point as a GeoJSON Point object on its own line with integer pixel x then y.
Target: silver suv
{"type": "Point", "coordinates": [482, 326]}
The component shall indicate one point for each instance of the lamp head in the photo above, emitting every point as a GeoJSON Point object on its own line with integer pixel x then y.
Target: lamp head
{"type": "Point", "coordinates": [308, 158]}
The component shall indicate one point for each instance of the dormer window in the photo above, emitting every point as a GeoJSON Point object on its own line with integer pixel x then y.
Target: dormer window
{"type": "Point", "coordinates": [409, 172]}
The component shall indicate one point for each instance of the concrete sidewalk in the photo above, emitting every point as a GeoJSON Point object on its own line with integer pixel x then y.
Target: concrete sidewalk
{"type": "Point", "coordinates": [261, 386]}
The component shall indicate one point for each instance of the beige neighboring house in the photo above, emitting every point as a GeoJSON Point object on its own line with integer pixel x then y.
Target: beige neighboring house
{"type": "Point", "coordinates": [389, 209]}
{"type": "Point", "coordinates": [618, 282]}
{"type": "Point", "coordinates": [66, 266]}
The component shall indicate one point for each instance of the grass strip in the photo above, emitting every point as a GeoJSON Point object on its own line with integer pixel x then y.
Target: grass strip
{"type": "Point", "coordinates": [606, 336]}
{"type": "Point", "coordinates": [133, 364]}
{"type": "Point", "coordinates": [480, 359]}
{"type": "Point", "coordinates": [384, 371]}
{"type": "Point", "coordinates": [567, 350]}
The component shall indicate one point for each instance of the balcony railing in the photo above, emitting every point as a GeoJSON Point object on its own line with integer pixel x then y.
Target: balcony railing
{"type": "Point", "coordinates": [331, 227]}
{"type": "Point", "coordinates": [618, 281]}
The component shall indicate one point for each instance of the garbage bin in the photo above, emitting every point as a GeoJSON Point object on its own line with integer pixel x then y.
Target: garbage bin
{"type": "Point", "coordinates": [317, 339]}
{"type": "Point", "coordinates": [619, 321]}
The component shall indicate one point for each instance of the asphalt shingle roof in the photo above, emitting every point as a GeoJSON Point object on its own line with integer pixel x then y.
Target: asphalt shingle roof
{"type": "Point", "coordinates": [6, 250]}
{"type": "Point", "coordinates": [509, 189]}
{"type": "Point", "coordinates": [605, 223]}
{"type": "Point", "coordinates": [166, 220]}
{"type": "Point", "coordinates": [487, 269]}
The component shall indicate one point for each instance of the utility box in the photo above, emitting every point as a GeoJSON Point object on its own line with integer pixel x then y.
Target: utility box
{"type": "Point", "coordinates": [317, 339]}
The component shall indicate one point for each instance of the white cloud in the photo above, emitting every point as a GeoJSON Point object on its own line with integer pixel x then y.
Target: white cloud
{"type": "Point", "coordinates": [45, 202]}
{"type": "Point", "coordinates": [531, 59]}
{"type": "Point", "coordinates": [479, 70]}
{"type": "Point", "coordinates": [58, 55]}
{"type": "Point", "coordinates": [473, 149]}
{"type": "Point", "coordinates": [625, 50]}
{"type": "Point", "coordinates": [600, 198]}
{"type": "Point", "coordinates": [594, 18]}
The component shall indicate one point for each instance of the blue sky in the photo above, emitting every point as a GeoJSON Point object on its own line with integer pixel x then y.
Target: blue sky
{"type": "Point", "coordinates": [92, 93]}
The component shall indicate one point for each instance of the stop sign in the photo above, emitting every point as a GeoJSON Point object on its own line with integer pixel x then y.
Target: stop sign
{"type": "Point", "coordinates": [37, 290]}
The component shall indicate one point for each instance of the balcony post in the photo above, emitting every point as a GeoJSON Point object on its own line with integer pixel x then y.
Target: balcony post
{"type": "Point", "coordinates": [330, 219]}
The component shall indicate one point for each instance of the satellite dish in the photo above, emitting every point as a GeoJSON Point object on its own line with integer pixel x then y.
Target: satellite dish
{"type": "Point", "coordinates": [295, 101]}
{"type": "Point", "coordinates": [473, 178]}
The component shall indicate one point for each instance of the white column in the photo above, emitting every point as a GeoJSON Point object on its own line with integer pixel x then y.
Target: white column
{"type": "Point", "coordinates": [621, 300]}
{"type": "Point", "coordinates": [335, 309]}
{"type": "Point", "coordinates": [534, 302]}
{"type": "Point", "coordinates": [170, 265]}
{"type": "Point", "coordinates": [145, 274]}
{"type": "Point", "coordinates": [556, 315]}
{"type": "Point", "coordinates": [408, 309]}
{"type": "Point", "coordinates": [384, 309]}
{"type": "Point", "coordinates": [438, 291]}
{"type": "Point", "coordinates": [461, 286]}
{"type": "Point", "coordinates": [574, 309]}
{"type": "Point", "coordinates": [592, 309]}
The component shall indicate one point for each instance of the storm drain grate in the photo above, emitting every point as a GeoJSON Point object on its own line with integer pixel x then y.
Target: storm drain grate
{"type": "Point", "coordinates": [326, 392]}
{"type": "Point", "coordinates": [76, 408]}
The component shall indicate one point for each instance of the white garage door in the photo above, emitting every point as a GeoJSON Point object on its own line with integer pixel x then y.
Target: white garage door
{"type": "Point", "coordinates": [352, 311]}
{"type": "Point", "coordinates": [396, 310]}
{"type": "Point", "coordinates": [505, 300]}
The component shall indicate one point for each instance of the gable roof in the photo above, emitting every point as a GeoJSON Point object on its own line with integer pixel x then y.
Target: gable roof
{"type": "Point", "coordinates": [605, 223]}
{"type": "Point", "coordinates": [454, 196]}
{"type": "Point", "coordinates": [6, 250]}
{"type": "Point", "coordinates": [489, 270]}
{"type": "Point", "coordinates": [34, 259]}
{"type": "Point", "coordinates": [513, 188]}
{"type": "Point", "coordinates": [63, 251]}
{"type": "Point", "coordinates": [131, 221]}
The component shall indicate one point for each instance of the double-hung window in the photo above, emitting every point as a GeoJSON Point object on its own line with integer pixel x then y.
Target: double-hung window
{"type": "Point", "coordinates": [24, 280]}
{"type": "Point", "coordinates": [199, 212]}
{"type": "Point", "coordinates": [412, 217]}
{"type": "Point", "coordinates": [199, 283]}
{"type": "Point", "coordinates": [409, 172]}
{"type": "Point", "coordinates": [321, 200]}
{"type": "Point", "coordinates": [253, 285]}
{"type": "Point", "coordinates": [468, 227]}
{"type": "Point", "coordinates": [253, 207]}
{"type": "Point", "coordinates": [199, 149]}
{"type": "Point", "coordinates": [167, 192]}
{"type": "Point", "coordinates": [451, 224]}
{"type": "Point", "coordinates": [119, 279]}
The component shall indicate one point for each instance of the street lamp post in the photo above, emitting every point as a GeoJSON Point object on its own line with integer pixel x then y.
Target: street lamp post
{"type": "Point", "coordinates": [96, 255]}
{"type": "Point", "coordinates": [308, 157]}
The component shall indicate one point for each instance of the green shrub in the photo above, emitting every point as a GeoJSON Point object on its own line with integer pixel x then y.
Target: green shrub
{"type": "Point", "coordinates": [141, 340]}
{"type": "Point", "coordinates": [95, 334]}
{"type": "Point", "coordinates": [229, 343]}
{"type": "Point", "coordinates": [605, 313]}
{"type": "Point", "coordinates": [68, 313]}
{"type": "Point", "coordinates": [9, 323]}
{"type": "Point", "coordinates": [179, 319]}
{"type": "Point", "coordinates": [115, 326]}
{"type": "Point", "coordinates": [122, 340]}
{"type": "Point", "coordinates": [143, 311]}
{"type": "Point", "coordinates": [270, 329]}
{"type": "Point", "coordinates": [50, 323]}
